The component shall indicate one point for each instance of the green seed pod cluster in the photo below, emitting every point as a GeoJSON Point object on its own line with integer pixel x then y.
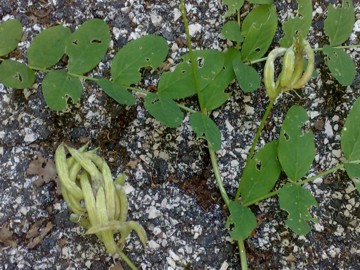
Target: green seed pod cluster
{"type": "Point", "coordinates": [292, 75]}
{"type": "Point", "coordinates": [96, 201]}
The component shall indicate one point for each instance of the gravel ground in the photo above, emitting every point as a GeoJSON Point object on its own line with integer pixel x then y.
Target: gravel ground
{"type": "Point", "coordinates": [170, 184]}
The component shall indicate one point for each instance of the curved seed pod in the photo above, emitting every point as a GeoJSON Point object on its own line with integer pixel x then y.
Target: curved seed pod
{"type": "Point", "coordinates": [71, 160]}
{"type": "Point", "coordinates": [287, 70]}
{"type": "Point", "coordinates": [139, 231]}
{"type": "Point", "coordinates": [72, 203]}
{"type": "Point", "coordinates": [89, 198]}
{"type": "Point", "coordinates": [309, 68]}
{"type": "Point", "coordinates": [110, 192]}
{"type": "Point", "coordinates": [120, 180]}
{"type": "Point", "coordinates": [109, 226]}
{"type": "Point", "coordinates": [101, 212]}
{"type": "Point", "coordinates": [89, 166]}
{"type": "Point", "coordinates": [269, 69]}
{"type": "Point", "coordinates": [94, 158]}
{"type": "Point", "coordinates": [117, 206]}
{"type": "Point", "coordinates": [124, 205]}
{"type": "Point", "coordinates": [63, 173]}
{"type": "Point", "coordinates": [299, 67]}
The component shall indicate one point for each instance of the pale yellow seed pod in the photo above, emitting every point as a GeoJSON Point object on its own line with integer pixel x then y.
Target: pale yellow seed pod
{"type": "Point", "coordinates": [287, 70]}
{"type": "Point", "coordinates": [269, 70]}
{"type": "Point", "coordinates": [73, 204]}
{"type": "Point", "coordinates": [139, 231]}
{"type": "Point", "coordinates": [110, 191]}
{"type": "Point", "coordinates": [89, 198]}
{"type": "Point", "coordinates": [309, 68]}
{"type": "Point", "coordinates": [124, 205]}
{"type": "Point", "coordinates": [114, 226]}
{"type": "Point", "coordinates": [299, 67]}
{"type": "Point", "coordinates": [63, 173]}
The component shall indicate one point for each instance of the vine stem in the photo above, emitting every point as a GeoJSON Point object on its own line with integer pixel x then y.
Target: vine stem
{"type": "Point", "coordinates": [219, 181]}
{"type": "Point", "coordinates": [299, 183]}
{"type": "Point", "coordinates": [256, 139]}
{"type": "Point", "coordinates": [127, 260]}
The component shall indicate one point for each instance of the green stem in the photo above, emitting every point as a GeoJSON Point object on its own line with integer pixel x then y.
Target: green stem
{"type": "Point", "coordinates": [307, 180]}
{"type": "Point", "coordinates": [192, 58]}
{"type": "Point", "coordinates": [256, 139]}
{"type": "Point", "coordinates": [127, 260]}
{"type": "Point", "coordinates": [219, 181]}
{"type": "Point", "coordinates": [242, 252]}
{"type": "Point", "coordinates": [340, 47]}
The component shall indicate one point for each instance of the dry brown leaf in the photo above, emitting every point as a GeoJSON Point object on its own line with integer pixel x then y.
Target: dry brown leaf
{"type": "Point", "coordinates": [290, 258]}
{"type": "Point", "coordinates": [35, 241]}
{"type": "Point", "coordinates": [44, 168]}
{"type": "Point", "coordinates": [6, 237]}
{"type": "Point", "coordinates": [132, 163]}
{"type": "Point", "coordinates": [117, 266]}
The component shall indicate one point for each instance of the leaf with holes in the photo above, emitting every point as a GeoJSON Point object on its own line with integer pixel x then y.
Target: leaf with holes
{"type": "Point", "coordinates": [241, 221]}
{"type": "Point", "coordinates": [261, 173]}
{"type": "Point", "coordinates": [48, 47]}
{"type": "Point", "coordinates": [10, 35]}
{"type": "Point", "coordinates": [247, 77]}
{"type": "Point", "coordinates": [231, 31]}
{"type": "Point", "coordinates": [16, 75]}
{"type": "Point", "coordinates": [180, 83]}
{"type": "Point", "coordinates": [213, 94]}
{"type": "Point", "coordinates": [297, 200]}
{"type": "Point", "coordinates": [87, 46]}
{"type": "Point", "coordinates": [339, 23]}
{"type": "Point", "coordinates": [205, 128]}
{"type": "Point", "coordinates": [350, 143]}
{"type": "Point", "coordinates": [117, 92]}
{"type": "Point", "coordinates": [341, 65]}
{"type": "Point", "coordinates": [258, 30]}
{"type": "Point", "coordinates": [164, 110]}
{"type": "Point", "coordinates": [57, 86]}
{"type": "Point", "coordinates": [233, 6]}
{"type": "Point", "coordinates": [299, 24]}
{"type": "Point", "coordinates": [147, 51]}
{"type": "Point", "coordinates": [296, 149]}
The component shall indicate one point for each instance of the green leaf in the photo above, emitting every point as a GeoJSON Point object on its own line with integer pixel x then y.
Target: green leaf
{"type": "Point", "coordinates": [231, 31]}
{"type": "Point", "coordinates": [258, 29]}
{"type": "Point", "coordinates": [57, 86]}
{"type": "Point", "coordinates": [247, 77]}
{"type": "Point", "coordinates": [341, 65]}
{"type": "Point", "coordinates": [10, 35]}
{"type": "Point", "coordinates": [300, 24]}
{"type": "Point", "coordinates": [205, 128]}
{"type": "Point", "coordinates": [48, 47]}
{"type": "Point", "coordinates": [164, 110]}
{"type": "Point", "coordinates": [296, 149]}
{"type": "Point", "coordinates": [261, 173]}
{"type": "Point", "coordinates": [87, 46]}
{"type": "Point", "coordinates": [16, 75]}
{"type": "Point", "coordinates": [213, 94]}
{"type": "Point", "coordinates": [350, 138]}
{"type": "Point", "coordinates": [147, 51]}
{"type": "Point", "coordinates": [117, 92]}
{"type": "Point", "coordinates": [180, 83]}
{"type": "Point", "coordinates": [233, 6]}
{"type": "Point", "coordinates": [297, 200]}
{"type": "Point", "coordinates": [241, 221]}
{"type": "Point", "coordinates": [261, 2]}
{"type": "Point", "coordinates": [340, 22]}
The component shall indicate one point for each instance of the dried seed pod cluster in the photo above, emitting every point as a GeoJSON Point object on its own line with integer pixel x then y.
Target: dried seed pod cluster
{"type": "Point", "coordinates": [292, 75]}
{"type": "Point", "coordinates": [97, 201]}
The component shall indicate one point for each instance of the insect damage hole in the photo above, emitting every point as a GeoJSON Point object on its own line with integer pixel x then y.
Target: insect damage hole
{"type": "Point", "coordinates": [18, 77]}
{"type": "Point", "coordinates": [286, 136]}
{"type": "Point", "coordinates": [200, 62]}
{"type": "Point", "coordinates": [96, 41]}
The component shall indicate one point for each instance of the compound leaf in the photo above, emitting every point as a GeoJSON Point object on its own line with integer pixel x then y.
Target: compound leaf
{"type": "Point", "coordinates": [48, 47]}
{"type": "Point", "coordinates": [233, 6]}
{"type": "Point", "coordinates": [57, 86]}
{"type": "Point", "coordinates": [147, 51]}
{"type": "Point", "coordinates": [16, 75]}
{"type": "Point", "coordinates": [10, 35]}
{"type": "Point", "coordinates": [231, 31]}
{"type": "Point", "coordinates": [213, 94]}
{"type": "Point", "coordinates": [205, 128]}
{"type": "Point", "coordinates": [241, 221]}
{"type": "Point", "coordinates": [341, 65]}
{"type": "Point", "coordinates": [247, 77]}
{"type": "Point", "coordinates": [164, 109]}
{"type": "Point", "coordinates": [296, 149]}
{"type": "Point", "coordinates": [300, 24]}
{"type": "Point", "coordinates": [258, 29]}
{"type": "Point", "coordinates": [340, 22]}
{"type": "Point", "coordinates": [117, 92]}
{"type": "Point", "coordinates": [261, 173]}
{"type": "Point", "coordinates": [297, 200]}
{"type": "Point", "coordinates": [87, 46]}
